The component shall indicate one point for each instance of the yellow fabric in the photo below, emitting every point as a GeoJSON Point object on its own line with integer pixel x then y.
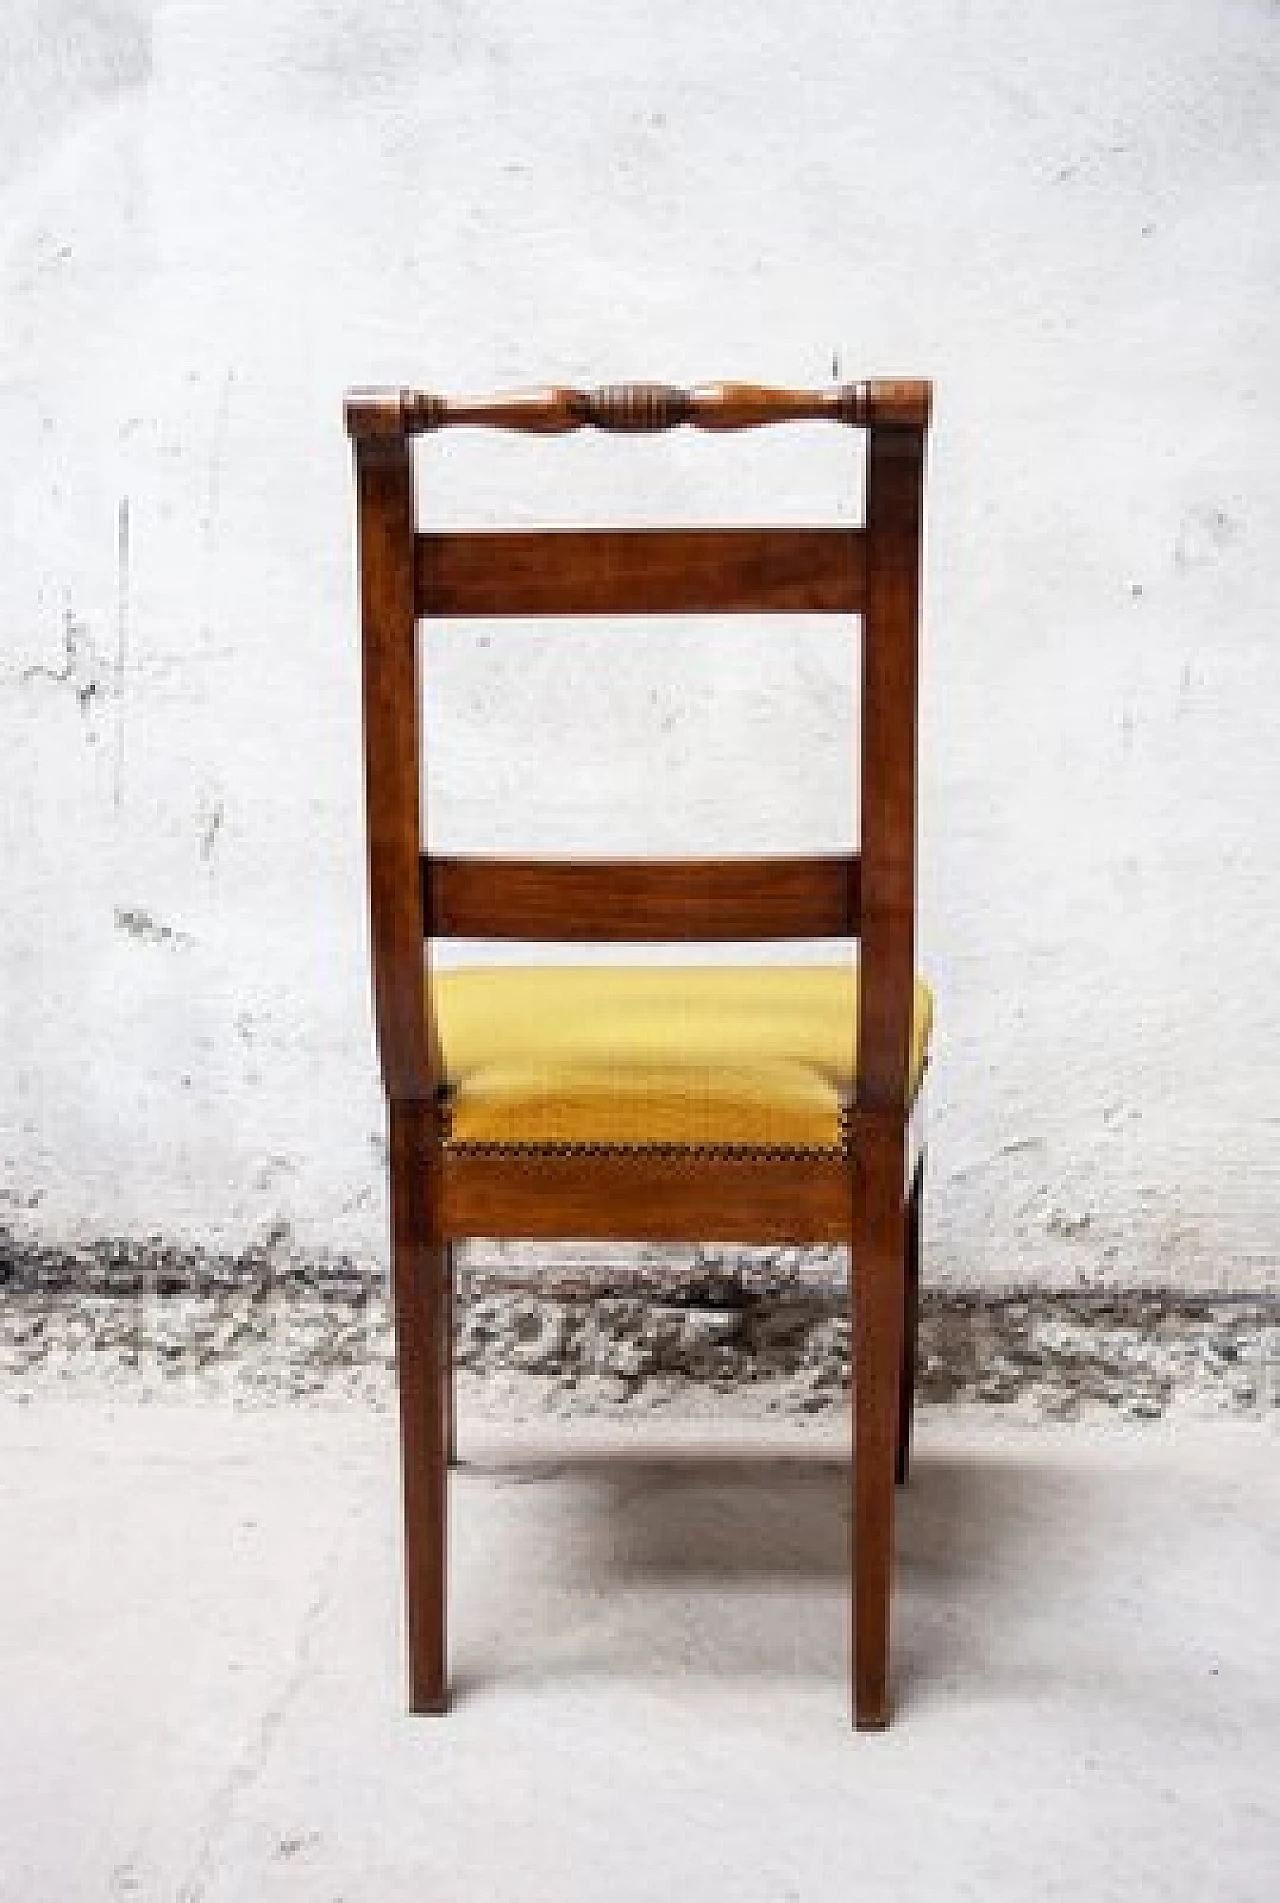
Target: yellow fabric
{"type": "Point", "coordinates": [739, 1056]}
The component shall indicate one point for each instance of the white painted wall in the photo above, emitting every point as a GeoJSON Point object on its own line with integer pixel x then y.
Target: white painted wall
{"type": "Point", "coordinates": [214, 214]}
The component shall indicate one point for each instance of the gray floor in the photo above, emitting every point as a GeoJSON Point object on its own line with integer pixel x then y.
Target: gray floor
{"type": "Point", "coordinates": [200, 1693]}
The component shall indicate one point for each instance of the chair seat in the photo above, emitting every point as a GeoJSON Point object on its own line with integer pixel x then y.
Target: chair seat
{"type": "Point", "coordinates": [607, 1056]}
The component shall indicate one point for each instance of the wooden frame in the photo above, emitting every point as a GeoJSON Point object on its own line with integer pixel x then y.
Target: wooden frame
{"type": "Point", "coordinates": [441, 1193]}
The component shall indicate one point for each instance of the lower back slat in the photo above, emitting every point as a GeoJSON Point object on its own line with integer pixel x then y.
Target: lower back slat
{"type": "Point", "coordinates": [634, 901]}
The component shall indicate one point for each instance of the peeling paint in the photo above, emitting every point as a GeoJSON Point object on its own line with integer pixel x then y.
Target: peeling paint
{"type": "Point", "coordinates": [82, 668]}
{"type": "Point", "coordinates": [138, 923]}
{"type": "Point", "coordinates": [1204, 536]}
{"type": "Point", "coordinates": [270, 1323]}
{"type": "Point", "coordinates": [210, 827]}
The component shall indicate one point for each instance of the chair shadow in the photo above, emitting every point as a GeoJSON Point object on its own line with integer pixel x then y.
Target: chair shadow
{"type": "Point", "coordinates": [734, 1565]}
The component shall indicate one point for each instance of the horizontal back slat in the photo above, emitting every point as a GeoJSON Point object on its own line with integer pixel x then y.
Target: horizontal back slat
{"type": "Point", "coordinates": [641, 571]}
{"type": "Point", "coordinates": [631, 900]}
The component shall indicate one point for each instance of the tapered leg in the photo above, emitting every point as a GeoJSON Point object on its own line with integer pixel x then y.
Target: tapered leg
{"type": "Point", "coordinates": [418, 1272]}
{"type": "Point", "coordinates": [876, 1286]}
{"type": "Point", "coordinates": [910, 1324]}
{"type": "Point", "coordinates": [449, 1394]}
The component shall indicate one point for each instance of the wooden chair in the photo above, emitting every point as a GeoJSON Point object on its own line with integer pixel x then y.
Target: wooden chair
{"type": "Point", "coordinates": [554, 1106]}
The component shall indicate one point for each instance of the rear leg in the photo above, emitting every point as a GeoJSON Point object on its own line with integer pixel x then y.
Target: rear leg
{"type": "Point", "coordinates": [449, 1382]}
{"type": "Point", "coordinates": [910, 1324]}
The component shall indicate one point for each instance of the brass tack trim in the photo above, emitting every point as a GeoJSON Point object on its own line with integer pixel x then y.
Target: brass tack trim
{"type": "Point", "coordinates": [717, 1152]}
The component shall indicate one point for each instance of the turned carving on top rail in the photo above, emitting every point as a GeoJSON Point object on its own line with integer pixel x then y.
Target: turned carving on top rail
{"type": "Point", "coordinates": [638, 408]}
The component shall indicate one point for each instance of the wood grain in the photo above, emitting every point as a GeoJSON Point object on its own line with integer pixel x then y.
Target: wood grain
{"type": "Point", "coordinates": [619, 901]}
{"type": "Point", "coordinates": [878, 1298]}
{"type": "Point", "coordinates": [894, 490]}
{"type": "Point", "coordinates": [638, 408]}
{"type": "Point", "coordinates": [408, 1045]}
{"type": "Point", "coordinates": [418, 1269]}
{"type": "Point", "coordinates": [407, 1042]}
{"type": "Point", "coordinates": [890, 668]}
{"type": "Point", "coordinates": [646, 1197]}
{"type": "Point", "coordinates": [910, 1323]}
{"type": "Point", "coordinates": [641, 572]}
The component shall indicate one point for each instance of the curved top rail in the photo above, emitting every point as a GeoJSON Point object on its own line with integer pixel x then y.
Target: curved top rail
{"type": "Point", "coordinates": [638, 408]}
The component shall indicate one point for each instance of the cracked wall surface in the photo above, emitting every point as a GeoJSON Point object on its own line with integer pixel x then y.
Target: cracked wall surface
{"type": "Point", "coordinates": [212, 219]}
{"type": "Point", "coordinates": [145, 1321]}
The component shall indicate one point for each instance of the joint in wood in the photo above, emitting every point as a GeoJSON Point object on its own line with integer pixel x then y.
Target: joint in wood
{"type": "Point", "coordinates": [374, 415]}
{"type": "Point", "coordinates": [898, 405]}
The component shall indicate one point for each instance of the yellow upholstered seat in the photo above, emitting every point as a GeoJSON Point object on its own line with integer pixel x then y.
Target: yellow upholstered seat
{"type": "Point", "coordinates": [751, 1057]}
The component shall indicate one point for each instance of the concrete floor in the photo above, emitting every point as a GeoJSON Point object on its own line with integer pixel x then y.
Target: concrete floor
{"type": "Point", "coordinates": [200, 1688]}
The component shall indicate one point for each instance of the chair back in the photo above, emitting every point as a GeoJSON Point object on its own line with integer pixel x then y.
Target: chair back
{"type": "Point", "coordinates": [871, 572]}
